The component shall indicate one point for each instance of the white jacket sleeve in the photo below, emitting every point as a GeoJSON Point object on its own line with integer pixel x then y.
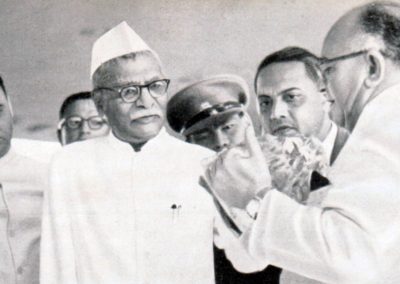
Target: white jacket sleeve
{"type": "Point", "coordinates": [57, 249]}
{"type": "Point", "coordinates": [325, 244]}
{"type": "Point", "coordinates": [237, 254]}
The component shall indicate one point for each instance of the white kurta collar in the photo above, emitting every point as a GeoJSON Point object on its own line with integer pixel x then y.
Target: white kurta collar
{"type": "Point", "coordinates": [124, 146]}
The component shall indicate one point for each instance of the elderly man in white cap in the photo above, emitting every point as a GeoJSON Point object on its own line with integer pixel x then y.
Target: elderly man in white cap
{"type": "Point", "coordinates": [127, 208]}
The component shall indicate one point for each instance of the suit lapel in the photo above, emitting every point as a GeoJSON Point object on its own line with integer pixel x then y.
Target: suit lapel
{"type": "Point", "coordinates": [341, 138]}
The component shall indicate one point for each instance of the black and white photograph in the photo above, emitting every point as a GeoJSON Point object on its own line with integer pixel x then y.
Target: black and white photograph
{"type": "Point", "coordinates": [199, 142]}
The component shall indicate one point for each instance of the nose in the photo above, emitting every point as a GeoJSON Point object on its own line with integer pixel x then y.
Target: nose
{"type": "Point", "coordinates": [221, 141]}
{"type": "Point", "coordinates": [145, 100]}
{"type": "Point", "coordinates": [85, 129]}
{"type": "Point", "coordinates": [279, 110]}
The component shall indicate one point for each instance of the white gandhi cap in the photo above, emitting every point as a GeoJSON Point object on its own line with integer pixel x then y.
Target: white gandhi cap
{"type": "Point", "coordinates": [118, 41]}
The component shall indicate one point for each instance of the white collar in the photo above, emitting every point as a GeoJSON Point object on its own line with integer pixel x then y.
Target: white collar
{"type": "Point", "coordinates": [119, 144]}
{"type": "Point", "coordinates": [329, 141]}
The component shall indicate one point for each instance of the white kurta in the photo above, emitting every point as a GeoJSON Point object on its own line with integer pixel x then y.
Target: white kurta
{"type": "Point", "coordinates": [41, 151]}
{"type": "Point", "coordinates": [355, 236]}
{"type": "Point", "coordinates": [22, 182]}
{"type": "Point", "coordinates": [109, 217]}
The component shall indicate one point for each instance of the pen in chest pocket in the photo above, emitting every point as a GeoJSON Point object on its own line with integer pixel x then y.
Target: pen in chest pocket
{"type": "Point", "coordinates": [175, 212]}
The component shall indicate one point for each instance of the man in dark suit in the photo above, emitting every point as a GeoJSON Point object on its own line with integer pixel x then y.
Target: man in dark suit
{"type": "Point", "coordinates": [293, 99]}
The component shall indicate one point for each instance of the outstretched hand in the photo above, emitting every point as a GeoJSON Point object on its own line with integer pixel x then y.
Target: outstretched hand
{"type": "Point", "coordinates": [239, 172]}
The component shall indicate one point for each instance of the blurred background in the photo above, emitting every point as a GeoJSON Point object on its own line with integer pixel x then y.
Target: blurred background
{"type": "Point", "coordinates": [45, 46]}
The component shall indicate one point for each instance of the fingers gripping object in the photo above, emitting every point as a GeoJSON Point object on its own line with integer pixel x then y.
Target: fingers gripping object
{"type": "Point", "coordinates": [236, 174]}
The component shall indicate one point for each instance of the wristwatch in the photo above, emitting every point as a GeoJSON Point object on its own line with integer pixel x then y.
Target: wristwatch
{"type": "Point", "coordinates": [253, 206]}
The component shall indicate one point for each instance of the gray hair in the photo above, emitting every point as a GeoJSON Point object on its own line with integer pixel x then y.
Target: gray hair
{"type": "Point", "coordinates": [382, 19]}
{"type": "Point", "coordinates": [102, 74]}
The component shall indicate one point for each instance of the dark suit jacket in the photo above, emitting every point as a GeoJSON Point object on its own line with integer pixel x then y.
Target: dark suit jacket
{"type": "Point", "coordinates": [225, 273]}
{"type": "Point", "coordinates": [317, 181]}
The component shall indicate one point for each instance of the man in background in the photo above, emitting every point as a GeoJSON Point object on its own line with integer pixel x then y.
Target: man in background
{"type": "Point", "coordinates": [293, 99]}
{"type": "Point", "coordinates": [80, 120]}
{"type": "Point", "coordinates": [212, 113]}
{"type": "Point", "coordinates": [22, 181]}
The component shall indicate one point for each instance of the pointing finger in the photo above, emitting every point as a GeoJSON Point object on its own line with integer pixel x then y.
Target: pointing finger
{"type": "Point", "coordinates": [252, 143]}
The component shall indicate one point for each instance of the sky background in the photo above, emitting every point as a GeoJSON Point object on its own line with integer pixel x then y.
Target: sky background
{"type": "Point", "coordinates": [46, 45]}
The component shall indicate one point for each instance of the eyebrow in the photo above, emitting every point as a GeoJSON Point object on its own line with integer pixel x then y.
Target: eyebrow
{"type": "Point", "coordinates": [281, 92]}
{"type": "Point", "coordinates": [199, 132]}
{"type": "Point", "coordinates": [155, 78]}
{"type": "Point", "coordinates": [289, 90]}
{"type": "Point", "coordinates": [122, 82]}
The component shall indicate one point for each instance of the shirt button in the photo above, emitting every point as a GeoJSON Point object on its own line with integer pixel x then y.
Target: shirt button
{"type": "Point", "coordinates": [20, 270]}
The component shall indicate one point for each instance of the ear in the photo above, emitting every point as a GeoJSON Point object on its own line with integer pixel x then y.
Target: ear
{"type": "Point", "coordinates": [99, 102]}
{"type": "Point", "coordinates": [376, 68]}
{"type": "Point", "coordinates": [61, 136]}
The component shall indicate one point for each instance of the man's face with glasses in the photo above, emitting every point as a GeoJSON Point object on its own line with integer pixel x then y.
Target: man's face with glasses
{"type": "Point", "coordinates": [347, 66]}
{"type": "Point", "coordinates": [81, 122]}
{"type": "Point", "coordinates": [134, 98]}
{"type": "Point", "coordinates": [343, 75]}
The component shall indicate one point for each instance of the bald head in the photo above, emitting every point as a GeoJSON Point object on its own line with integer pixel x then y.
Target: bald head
{"type": "Point", "coordinates": [375, 25]}
{"type": "Point", "coordinates": [362, 56]}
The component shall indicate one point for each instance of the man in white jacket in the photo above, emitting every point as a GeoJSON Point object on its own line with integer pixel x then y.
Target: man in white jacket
{"type": "Point", "coordinates": [127, 208]}
{"type": "Point", "coordinates": [354, 236]}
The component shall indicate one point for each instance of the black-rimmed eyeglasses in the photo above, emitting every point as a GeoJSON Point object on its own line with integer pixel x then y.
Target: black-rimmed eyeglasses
{"type": "Point", "coordinates": [324, 60]}
{"type": "Point", "coordinates": [130, 93]}
{"type": "Point", "coordinates": [75, 122]}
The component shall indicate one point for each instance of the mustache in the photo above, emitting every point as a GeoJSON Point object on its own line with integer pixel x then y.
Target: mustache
{"type": "Point", "coordinates": [144, 113]}
{"type": "Point", "coordinates": [278, 123]}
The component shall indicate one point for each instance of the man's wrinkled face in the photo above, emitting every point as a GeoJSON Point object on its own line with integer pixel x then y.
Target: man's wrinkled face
{"type": "Point", "coordinates": [225, 131]}
{"type": "Point", "coordinates": [139, 121]}
{"type": "Point", "coordinates": [291, 103]}
{"type": "Point", "coordinates": [344, 77]}
{"type": "Point", "coordinates": [83, 122]}
{"type": "Point", "coordinates": [6, 126]}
